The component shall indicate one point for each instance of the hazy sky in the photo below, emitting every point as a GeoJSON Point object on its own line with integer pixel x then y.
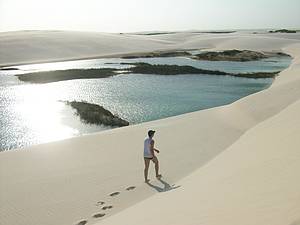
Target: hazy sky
{"type": "Point", "coordinates": [146, 15]}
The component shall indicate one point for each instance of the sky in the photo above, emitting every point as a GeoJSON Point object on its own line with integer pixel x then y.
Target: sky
{"type": "Point", "coordinates": [148, 15]}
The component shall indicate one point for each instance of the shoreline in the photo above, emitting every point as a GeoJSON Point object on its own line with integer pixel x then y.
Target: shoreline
{"type": "Point", "coordinates": [96, 165]}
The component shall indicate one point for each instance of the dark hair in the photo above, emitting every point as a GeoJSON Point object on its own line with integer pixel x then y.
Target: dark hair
{"type": "Point", "coordinates": [151, 132]}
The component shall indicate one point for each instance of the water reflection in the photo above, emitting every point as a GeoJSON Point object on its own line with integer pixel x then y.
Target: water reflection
{"type": "Point", "coordinates": [43, 114]}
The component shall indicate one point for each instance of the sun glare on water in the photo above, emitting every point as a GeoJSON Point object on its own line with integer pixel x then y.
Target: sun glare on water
{"type": "Point", "coordinates": [43, 114]}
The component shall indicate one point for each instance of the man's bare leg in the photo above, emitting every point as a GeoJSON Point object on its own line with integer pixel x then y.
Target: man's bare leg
{"type": "Point", "coordinates": [147, 162]}
{"type": "Point", "coordinates": [155, 160]}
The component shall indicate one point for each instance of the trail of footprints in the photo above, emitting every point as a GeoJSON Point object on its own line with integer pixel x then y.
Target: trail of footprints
{"type": "Point", "coordinates": [103, 207]}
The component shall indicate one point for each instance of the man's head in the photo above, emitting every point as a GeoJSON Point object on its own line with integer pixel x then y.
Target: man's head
{"type": "Point", "coordinates": [151, 133]}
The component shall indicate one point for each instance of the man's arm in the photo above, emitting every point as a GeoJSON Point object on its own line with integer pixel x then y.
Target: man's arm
{"type": "Point", "coordinates": [152, 147]}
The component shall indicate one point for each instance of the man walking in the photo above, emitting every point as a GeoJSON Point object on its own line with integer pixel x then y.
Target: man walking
{"type": "Point", "coordinates": [149, 155]}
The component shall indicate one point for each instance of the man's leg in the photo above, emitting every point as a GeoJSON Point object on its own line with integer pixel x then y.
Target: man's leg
{"type": "Point", "coordinates": [155, 160]}
{"type": "Point", "coordinates": [147, 162]}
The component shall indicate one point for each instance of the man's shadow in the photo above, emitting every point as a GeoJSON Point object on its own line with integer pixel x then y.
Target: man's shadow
{"type": "Point", "coordinates": [167, 187]}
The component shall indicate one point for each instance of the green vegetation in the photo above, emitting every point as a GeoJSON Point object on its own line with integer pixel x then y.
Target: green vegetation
{"type": "Point", "coordinates": [214, 32]}
{"type": "Point", "coordinates": [283, 31]}
{"type": "Point", "coordinates": [9, 68]}
{"type": "Point", "coordinates": [237, 55]}
{"type": "Point", "coordinates": [96, 114]}
{"type": "Point", "coordinates": [146, 68]}
{"type": "Point", "coordinates": [231, 55]}
{"type": "Point", "coordinates": [158, 54]}
{"type": "Point", "coordinates": [157, 33]}
{"type": "Point", "coordinates": [137, 68]}
{"type": "Point", "coordinates": [257, 75]}
{"type": "Point", "coordinates": [60, 75]}
{"type": "Point", "coordinates": [227, 55]}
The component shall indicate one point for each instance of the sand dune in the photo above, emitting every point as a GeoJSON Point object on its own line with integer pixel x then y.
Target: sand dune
{"type": "Point", "coordinates": [45, 46]}
{"type": "Point", "coordinates": [254, 181]}
{"type": "Point", "coordinates": [236, 164]}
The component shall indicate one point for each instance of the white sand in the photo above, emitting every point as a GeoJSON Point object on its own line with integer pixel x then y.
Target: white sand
{"type": "Point", "coordinates": [236, 164]}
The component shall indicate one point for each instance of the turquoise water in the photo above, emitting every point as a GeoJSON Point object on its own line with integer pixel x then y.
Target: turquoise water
{"type": "Point", "coordinates": [33, 113]}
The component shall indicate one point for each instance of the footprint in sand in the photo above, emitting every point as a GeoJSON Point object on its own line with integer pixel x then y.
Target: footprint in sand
{"type": "Point", "coordinates": [107, 207]}
{"type": "Point", "coordinates": [114, 194]}
{"type": "Point", "coordinates": [100, 203]}
{"type": "Point", "coordinates": [130, 188]}
{"type": "Point", "coordinates": [98, 215]}
{"type": "Point", "coordinates": [82, 222]}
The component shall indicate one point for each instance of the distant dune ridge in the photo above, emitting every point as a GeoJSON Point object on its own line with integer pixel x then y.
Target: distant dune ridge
{"type": "Point", "coordinates": [235, 164]}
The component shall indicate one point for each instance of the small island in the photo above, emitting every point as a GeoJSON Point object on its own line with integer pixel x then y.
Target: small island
{"type": "Point", "coordinates": [155, 33]}
{"type": "Point", "coordinates": [158, 69]}
{"type": "Point", "coordinates": [283, 31]}
{"type": "Point", "coordinates": [146, 68]}
{"type": "Point", "coordinates": [231, 55]}
{"type": "Point", "coordinates": [8, 68]}
{"type": "Point", "coordinates": [213, 32]}
{"type": "Point", "coordinates": [136, 68]}
{"type": "Point", "coordinates": [158, 54]}
{"type": "Point", "coordinates": [227, 55]}
{"type": "Point", "coordinates": [257, 75]}
{"type": "Point", "coordinates": [237, 55]}
{"type": "Point", "coordinates": [161, 69]}
{"type": "Point", "coordinates": [96, 114]}
{"type": "Point", "coordinates": [71, 74]}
